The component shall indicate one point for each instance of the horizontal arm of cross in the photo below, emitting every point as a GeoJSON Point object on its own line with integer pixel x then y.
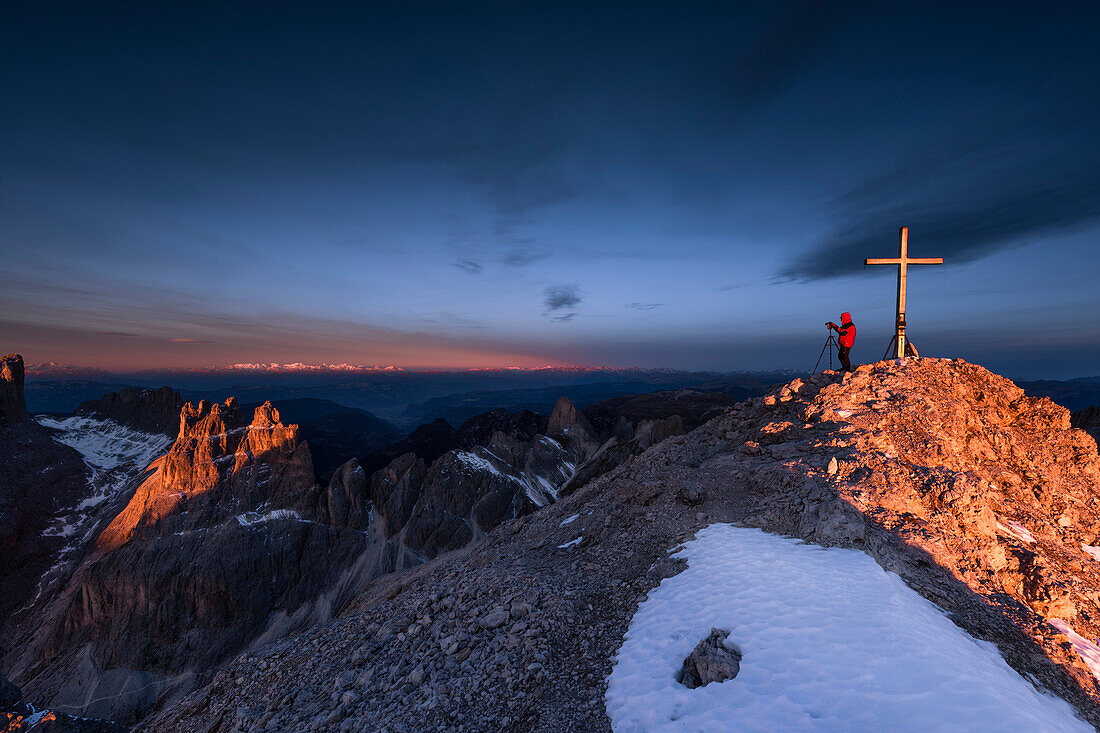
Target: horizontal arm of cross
{"type": "Point", "coordinates": [908, 261]}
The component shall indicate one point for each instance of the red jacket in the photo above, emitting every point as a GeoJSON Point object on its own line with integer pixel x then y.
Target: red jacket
{"type": "Point", "coordinates": [847, 331]}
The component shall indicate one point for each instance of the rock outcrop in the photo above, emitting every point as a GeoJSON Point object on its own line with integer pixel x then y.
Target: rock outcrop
{"type": "Point", "coordinates": [569, 425]}
{"type": "Point", "coordinates": [13, 405]}
{"type": "Point", "coordinates": [221, 464]}
{"type": "Point", "coordinates": [148, 410]}
{"type": "Point", "coordinates": [983, 500]}
{"type": "Point", "coordinates": [710, 661]}
{"type": "Point", "coordinates": [39, 480]}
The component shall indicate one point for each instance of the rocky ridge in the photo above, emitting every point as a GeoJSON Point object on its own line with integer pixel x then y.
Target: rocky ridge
{"type": "Point", "coordinates": [149, 410]}
{"type": "Point", "coordinates": [982, 499]}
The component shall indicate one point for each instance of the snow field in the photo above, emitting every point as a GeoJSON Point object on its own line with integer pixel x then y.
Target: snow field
{"type": "Point", "coordinates": [831, 642]}
{"type": "Point", "coordinates": [106, 444]}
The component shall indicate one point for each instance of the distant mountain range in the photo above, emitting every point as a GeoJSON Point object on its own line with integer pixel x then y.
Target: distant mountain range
{"type": "Point", "coordinates": [404, 398]}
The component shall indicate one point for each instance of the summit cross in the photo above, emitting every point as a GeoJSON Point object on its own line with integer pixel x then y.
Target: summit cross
{"type": "Point", "coordinates": [902, 347]}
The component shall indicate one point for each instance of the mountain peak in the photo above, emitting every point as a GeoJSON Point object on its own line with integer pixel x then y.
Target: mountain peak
{"type": "Point", "coordinates": [266, 416]}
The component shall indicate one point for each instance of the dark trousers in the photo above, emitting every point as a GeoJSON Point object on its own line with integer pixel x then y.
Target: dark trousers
{"type": "Point", "coordinates": [842, 354]}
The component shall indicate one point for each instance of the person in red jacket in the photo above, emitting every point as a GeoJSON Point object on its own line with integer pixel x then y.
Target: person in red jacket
{"type": "Point", "coordinates": [847, 338]}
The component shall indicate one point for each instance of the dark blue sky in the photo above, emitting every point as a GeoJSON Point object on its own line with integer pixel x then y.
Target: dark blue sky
{"type": "Point", "coordinates": [426, 184]}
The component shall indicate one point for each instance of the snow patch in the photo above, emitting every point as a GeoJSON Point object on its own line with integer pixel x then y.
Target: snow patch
{"type": "Point", "coordinates": [1087, 650]}
{"type": "Point", "coordinates": [571, 543]}
{"type": "Point", "coordinates": [569, 520]}
{"type": "Point", "coordinates": [1016, 530]}
{"type": "Point", "coordinates": [250, 518]}
{"type": "Point", "coordinates": [830, 641]}
{"type": "Point", "coordinates": [477, 463]}
{"type": "Point", "coordinates": [1093, 551]}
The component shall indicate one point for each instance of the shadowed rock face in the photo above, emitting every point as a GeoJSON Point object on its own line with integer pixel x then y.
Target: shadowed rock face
{"type": "Point", "coordinates": [692, 407]}
{"type": "Point", "coordinates": [39, 478]}
{"type": "Point", "coordinates": [1088, 420]}
{"type": "Point", "coordinates": [479, 430]}
{"type": "Point", "coordinates": [227, 534]}
{"type": "Point", "coordinates": [150, 410]}
{"type": "Point", "coordinates": [448, 487]}
{"type": "Point", "coordinates": [631, 425]}
{"type": "Point", "coordinates": [423, 510]}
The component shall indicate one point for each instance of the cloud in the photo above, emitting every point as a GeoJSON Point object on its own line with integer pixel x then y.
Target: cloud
{"type": "Point", "coordinates": [562, 296]}
{"type": "Point", "coordinates": [962, 232]}
{"type": "Point", "coordinates": [469, 266]}
{"type": "Point", "coordinates": [192, 341]}
{"type": "Point", "coordinates": [561, 302]}
{"type": "Point", "coordinates": [121, 334]}
{"type": "Point", "coordinates": [644, 306]}
{"type": "Point", "coordinates": [522, 256]}
{"type": "Point", "coordinates": [993, 185]}
{"type": "Point", "coordinates": [789, 46]}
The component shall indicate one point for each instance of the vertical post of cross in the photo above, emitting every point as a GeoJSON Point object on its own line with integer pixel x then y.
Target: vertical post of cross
{"type": "Point", "coordinates": [903, 267]}
{"type": "Point", "coordinates": [900, 343]}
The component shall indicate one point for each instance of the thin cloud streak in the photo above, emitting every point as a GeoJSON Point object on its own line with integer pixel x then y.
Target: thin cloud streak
{"type": "Point", "coordinates": [995, 185]}
{"type": "Point", "coordinates": [469, 266]}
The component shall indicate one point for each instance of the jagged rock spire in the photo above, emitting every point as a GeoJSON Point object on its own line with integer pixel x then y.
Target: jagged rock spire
{"type": "Point", "coordinates": [13, 407]}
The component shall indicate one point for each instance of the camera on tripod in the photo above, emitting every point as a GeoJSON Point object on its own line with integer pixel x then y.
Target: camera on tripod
{"type": "Point", "coordinates": [829, 342]}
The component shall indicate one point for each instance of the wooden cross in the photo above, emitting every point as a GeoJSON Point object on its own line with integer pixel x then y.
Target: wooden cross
{"type": "Point", "coordinates": [903, 260]}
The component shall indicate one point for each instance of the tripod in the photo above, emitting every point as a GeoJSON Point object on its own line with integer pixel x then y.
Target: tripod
{"type": "Point", "coordinates": [830, 343]}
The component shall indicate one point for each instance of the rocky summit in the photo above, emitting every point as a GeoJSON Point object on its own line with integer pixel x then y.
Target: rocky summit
{"type": "Point", "coordinates": [982, 499]}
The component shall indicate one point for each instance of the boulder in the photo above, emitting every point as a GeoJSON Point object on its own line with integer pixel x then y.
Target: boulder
{"type": "Point", "coordinates": [710, 661]}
